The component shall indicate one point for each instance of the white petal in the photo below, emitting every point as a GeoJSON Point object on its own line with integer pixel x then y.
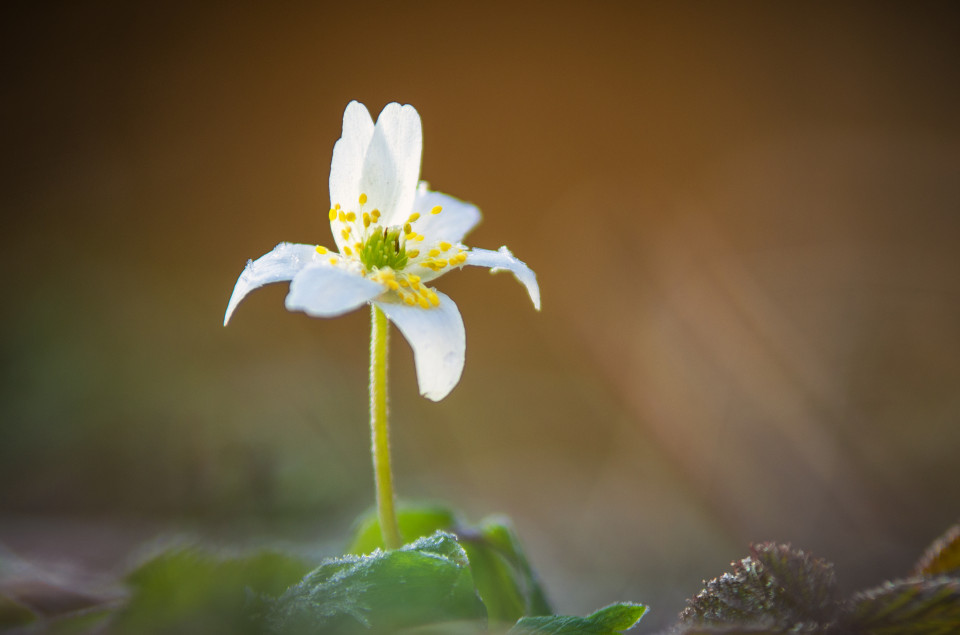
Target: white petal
{"type": "Point", "coordinates": [451, 224]}
{"type": "Point", "coordinates": [349, 153]}
{"type": "Point", "coordinates": [322, 290]}
{"type": "Point", "coordinates": [501, 260]}
{"type": "Point", "coordinates": [280, 265]}
{"type": "Point", "coordinates": [438, 341]}
{"type": "Point", "coordinates": [391, 167]}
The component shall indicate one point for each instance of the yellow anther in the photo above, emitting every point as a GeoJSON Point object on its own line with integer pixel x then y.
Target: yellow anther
{"type": "Point", "coordinates": [404, 283]}
{"type": "Point", "coordinates": [433, 297]}
{"type": "Point", "coordinates": [423, 302]}
{"type": "Point", "coordinates": [358, 246]}
{"type": "Point", "coordinates": [393, 284]}
{"type": "Point", "coordinates": [440, 263]}
{"type": "Point", "coordinates": [410, 236]}
{"type": "Point", "coordinates": [336, 206]}
{"type": "Point", "coordinates": [433, 253]}
{"type": "Point", "coordinates": [409, 300]}
{"type": "Point", "coordinates": [407, 229]}
{"type": "Point", "coordinates": [437, 209]}
{"type": "Point", "coordinates": [413, 217]}
{"type": "Point", "coordinates": [321, 249]}
{"type": "Point", "coordinates": [445, 246]}
{"type": "Point", "coordinates": [348, 251]}
{"type": "Point", "coordinates": [363, 199]}
{"type": "Point", "coordinates": [345, 233]}
{"type": "Point", "coordinates": [413, 253]}
{"type": "Point", "coordinates": [366, 219]}
{"type": "Point", "coordinates": [351, 217]}
{"type": "Point", "coordinates": [333, 214]}
{"type": "Point", "coordinates": [333, 261]}
{"type": "Point", "coordinates": [375, 215]}
{"type": "Point", "coordinates": [342, 217]}
{"type": "Point", "coordinates": [414, 278]}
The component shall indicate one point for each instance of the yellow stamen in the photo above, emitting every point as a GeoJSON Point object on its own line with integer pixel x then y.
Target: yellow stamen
{"type": "Point", "coordinates": [413, 217]}
{"type": "Point", "coordinates": [436, 210]}
{"type": "Point", "coordinates": [345, 233]}
{"type": "Point", "coordinates": [433, 297]}
{"type": "Point", "coordinates": [363, 199]}
{"type": "Point", "coordinates": [423, 302]}
{"type": "Point", "coordinates": [351, 217]}
{"type": "Point", "coordinates": [333, 261]}
{"type": "Point", "coordinates": [413, 253]}
{"type": "Point", "coordinates": [375, 215]}
{"type": "Point", "coordinates": [348, 251]}
{"type": "Point", "coordinates": [321, 249]}
{"type": "Point", "coordinates": [433, 253]}
{"type": "Point", "coordinates": [333, 214]}
{"type": "Point", "coordinates": [445, 246]}
{"type": "Point", "coordinates": [407, 229]}
{"type": "Point", "coordinates": [342, 217]}
{"type": "Point", "coordinates": [409, 300]}
{"type": "Point", "coordinates": [366, 219]}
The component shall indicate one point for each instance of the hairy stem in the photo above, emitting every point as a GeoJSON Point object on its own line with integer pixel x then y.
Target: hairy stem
{"type": "Point", "coordinates": [380, 430]}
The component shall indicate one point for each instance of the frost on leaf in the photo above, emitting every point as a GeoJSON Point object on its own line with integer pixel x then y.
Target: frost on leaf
{"type": "Point", "coordinates": [775, 589]}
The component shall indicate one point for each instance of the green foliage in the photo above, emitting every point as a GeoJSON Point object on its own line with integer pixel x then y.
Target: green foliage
{"type": "Point", "coordinates": [608, 620]}
{"type": "Point", "coordinates": [421, 583]}
{"type": "Point", "coordinates": [414, 522]}
{"type": "Point", "coordinates": [503, 577]}
{"type": "Point", "coordinates": [192, 591]}
{"type": "Point", "coordinates": [505, 580]}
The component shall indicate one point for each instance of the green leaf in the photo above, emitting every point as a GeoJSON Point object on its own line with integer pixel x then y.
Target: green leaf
{"type": "Point", "coordinates": [189, 590]}
{"type": "Point", "coordinates": [943, 556]}
{"type": "Point", "coordinates": [504, 578]}
{"type": "Point", "coordinates": [916, 606]}
{"type": "Point", "coordinates": [414, 522]}
{"type": "Point", "coordinates": [611, 619]}
{"type": "Point", "coordinates": [421, 583]}
{"type": "Point", "coordinates": [502, 574]}
{"type": "Point", "coordinates": [776, 589]}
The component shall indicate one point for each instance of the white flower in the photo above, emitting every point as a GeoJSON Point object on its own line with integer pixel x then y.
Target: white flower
{"type": "Point", "coordinates": [393, 237]}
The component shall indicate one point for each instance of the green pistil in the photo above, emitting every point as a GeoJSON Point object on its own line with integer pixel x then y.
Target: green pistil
{"type": "Point", "coordinates": [383, 249]}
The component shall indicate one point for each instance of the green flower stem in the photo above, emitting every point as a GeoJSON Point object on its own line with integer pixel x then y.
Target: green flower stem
{"type": "Point", "coordinates": [379, 429]}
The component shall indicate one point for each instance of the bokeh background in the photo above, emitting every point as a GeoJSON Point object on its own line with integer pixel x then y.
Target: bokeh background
{"type": "Point", "coordinates": [744, 218]}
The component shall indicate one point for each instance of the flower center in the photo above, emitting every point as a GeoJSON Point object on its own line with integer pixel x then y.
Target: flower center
{"type": "Point", "coordinates": [383, 249]}
{"type": "Point", "coordinates": [395, 255]}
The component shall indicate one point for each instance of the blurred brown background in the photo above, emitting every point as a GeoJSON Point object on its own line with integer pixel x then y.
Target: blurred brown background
{"type": "Point", "coordinates": [744, 218]}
